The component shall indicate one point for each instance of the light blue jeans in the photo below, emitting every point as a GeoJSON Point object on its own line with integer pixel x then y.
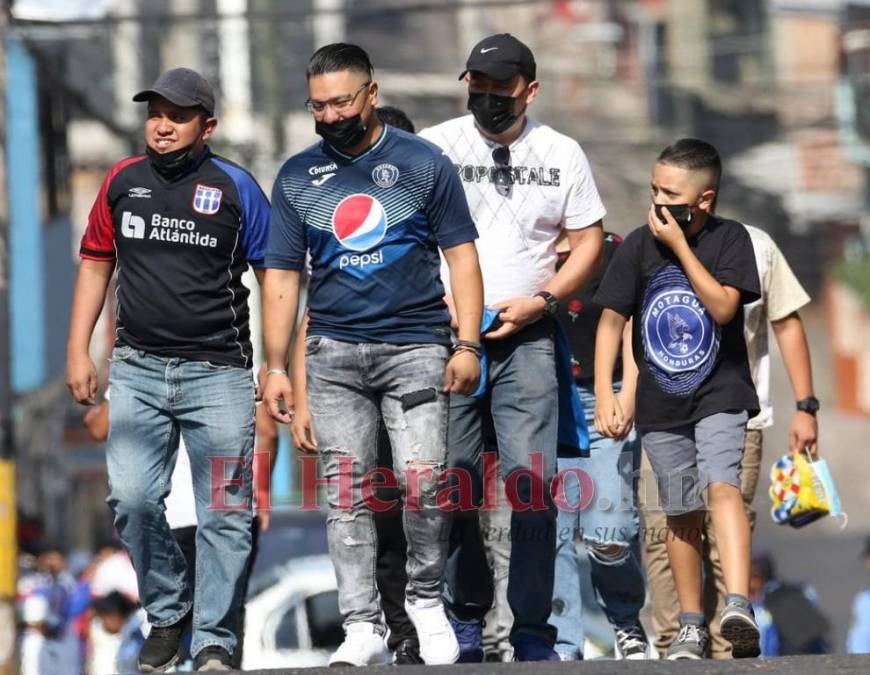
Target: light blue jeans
{"type": "Point", "coordinates": [608, 517]}
{"type": "Point", "coordinates": [154, 399]}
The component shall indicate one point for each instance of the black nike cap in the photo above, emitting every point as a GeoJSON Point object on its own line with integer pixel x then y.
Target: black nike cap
{"type": "Point", "coordinates": [501, 56]}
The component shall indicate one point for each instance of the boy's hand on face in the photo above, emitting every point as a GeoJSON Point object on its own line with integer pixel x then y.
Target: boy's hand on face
{"type": "Point", "coordinates": [609, 417]}
{"type": "Point", "coordinates": [667, 232]}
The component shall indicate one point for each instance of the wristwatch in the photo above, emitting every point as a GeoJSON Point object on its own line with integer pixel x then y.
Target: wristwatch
{"type": "Point", "coordinates": [552, 306]}
{"type": "Point", "coordinates": [809, 405]}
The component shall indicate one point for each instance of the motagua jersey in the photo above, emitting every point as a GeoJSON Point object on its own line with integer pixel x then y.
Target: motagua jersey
{"type": "Point", "coordinates": [181, 247]}
{"type": "Point", "coordinates": [372, 225]}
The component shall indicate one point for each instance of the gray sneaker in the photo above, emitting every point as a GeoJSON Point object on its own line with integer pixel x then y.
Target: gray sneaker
{"type": "Point", "coordinates": [691, 643]}
{"type": "Point", "coordinates": [738, 626]}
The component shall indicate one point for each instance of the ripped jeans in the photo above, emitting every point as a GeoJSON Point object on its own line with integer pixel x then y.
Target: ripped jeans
{"type": "Point", "coordinates": [607, 522]}
{"type": "Point", "coordinates": [351, 385]}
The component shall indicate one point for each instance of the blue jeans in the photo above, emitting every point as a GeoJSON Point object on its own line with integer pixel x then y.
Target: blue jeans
{"type": "Point", "coordinates": [154, 399]}
{"type": "Point", "coordinates": [609, 519]}
{"type": "Point", "coordinates": [519, 416]}
{"type": "Point", "coordinates": [350, 387]}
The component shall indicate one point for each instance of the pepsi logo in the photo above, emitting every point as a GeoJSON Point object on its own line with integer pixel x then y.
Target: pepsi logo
{"type": "Point", "coordinates": [359, 222]}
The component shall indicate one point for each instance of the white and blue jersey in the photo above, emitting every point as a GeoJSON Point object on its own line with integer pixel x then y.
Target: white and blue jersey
{"type": "Point", "coordinates": [372, 225]}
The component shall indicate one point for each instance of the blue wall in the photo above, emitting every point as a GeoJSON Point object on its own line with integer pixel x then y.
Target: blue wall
{"type": "Point", "coordinates": [40, 258]}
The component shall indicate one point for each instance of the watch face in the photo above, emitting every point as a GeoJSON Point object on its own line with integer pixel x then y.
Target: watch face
{"type": "Point", "coordinates": [809, 405]}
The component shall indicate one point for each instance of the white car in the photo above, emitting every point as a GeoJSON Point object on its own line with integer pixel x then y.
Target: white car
{"type": "Point", "coordinates": [295, 622]}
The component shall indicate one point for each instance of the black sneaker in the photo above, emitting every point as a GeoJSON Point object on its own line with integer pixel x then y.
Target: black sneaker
{"type": "Point", "coordinates": [630, 643]}
{"type": "Point", "coordinates": [737, 625]}
{"type": "Point", "coordinates": [160, 649]}
{"type": "Point", "coordinates": [407, 653]}
{"type": "Point", "coordinates": [691, 642]}
{"type": "Point", "coordinates": [213, 658]}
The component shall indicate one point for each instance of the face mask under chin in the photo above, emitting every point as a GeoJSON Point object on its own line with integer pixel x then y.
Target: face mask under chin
{"type": "Point", "coordinates": [173, 163]}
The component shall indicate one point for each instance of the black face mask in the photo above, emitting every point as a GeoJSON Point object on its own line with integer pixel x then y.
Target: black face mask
{"type": "Point", "coordinates": [172, 164]}
{"type": "Point", "coordinates": [492, 112]}
{"type": "Point", "coordinates": [682, 213]}
{"type": "Point", "coordinates": [344, 133]}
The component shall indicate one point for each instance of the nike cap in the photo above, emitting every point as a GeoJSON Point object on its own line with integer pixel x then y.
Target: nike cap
{"type": "Point", "coordinates": [501, 57]}
{"type": "Point", "coordinates": [183, 87]}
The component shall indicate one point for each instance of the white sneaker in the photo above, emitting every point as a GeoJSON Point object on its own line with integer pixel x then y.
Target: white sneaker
{"type": "Point", "coordinates": [362, 646]}
{"type": "Point", "coordinates": [438, 643]}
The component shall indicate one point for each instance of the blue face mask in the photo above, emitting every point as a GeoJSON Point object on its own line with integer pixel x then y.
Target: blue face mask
{"type": "Point", "coordinates": [823, 474]}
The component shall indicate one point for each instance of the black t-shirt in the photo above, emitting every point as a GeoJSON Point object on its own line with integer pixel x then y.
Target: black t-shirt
{"type": "Point", "coordinates": [181, 248]}
{"type": "Point", "coordinates": [579, 315]}
{"type": "Point", "coordinates": [690, 367]}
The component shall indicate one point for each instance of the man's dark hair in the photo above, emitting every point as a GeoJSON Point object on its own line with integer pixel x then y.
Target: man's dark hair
{"type": "Point", "coordinates": [395, 118]}
{"type": "Point", "coordinates": [764, 565]}
{"type": "Point", "coordinates": [339, 56]}
{"type": "Point", "coordinates": [114, 603]}
{"type": "Point", "coordinates": [695, 155]}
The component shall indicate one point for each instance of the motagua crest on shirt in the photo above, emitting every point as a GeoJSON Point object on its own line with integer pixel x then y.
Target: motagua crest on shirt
{"type": "Point", "coordinates": [385, 175]}
{"type": "Point", "coordinates": [680, 337]}
{"type": "Point", "coordinates": [359, 222]}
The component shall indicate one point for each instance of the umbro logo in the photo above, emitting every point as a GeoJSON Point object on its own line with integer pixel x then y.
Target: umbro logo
{"type": "Point", "coordinates": [320, 181]}
{"type": "Point", "coordinates": [139, 193]}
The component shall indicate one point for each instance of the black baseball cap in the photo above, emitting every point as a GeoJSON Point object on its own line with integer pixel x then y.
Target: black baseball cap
{"type": "Point", "coordinates": [501, 57]}
{"type": "Point", "coordinates": [183, 87]}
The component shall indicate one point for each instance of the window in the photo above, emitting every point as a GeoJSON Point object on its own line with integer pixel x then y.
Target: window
{"type": "Point", "coordinates": [324, 620]}
{"type": "Point", "coordinates": [287, 633]}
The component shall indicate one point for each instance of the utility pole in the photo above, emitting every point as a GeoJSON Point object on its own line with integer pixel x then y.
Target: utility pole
{"type": "Point", "coordinates": [8, 502]}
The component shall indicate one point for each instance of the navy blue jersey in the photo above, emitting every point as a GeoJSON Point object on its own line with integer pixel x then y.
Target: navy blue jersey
{"type": "Point", "coordinates": [181, 247]}
{"type": "Point", "coordinates": [372, 225]}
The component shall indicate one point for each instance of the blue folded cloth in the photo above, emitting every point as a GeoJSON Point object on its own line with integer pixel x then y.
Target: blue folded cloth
{"type": "Point", "coordinates": [573, 433]}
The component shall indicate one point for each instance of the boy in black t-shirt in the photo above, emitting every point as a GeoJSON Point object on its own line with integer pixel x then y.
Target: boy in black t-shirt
{"type": "Point", "coordinates": [684, 279]}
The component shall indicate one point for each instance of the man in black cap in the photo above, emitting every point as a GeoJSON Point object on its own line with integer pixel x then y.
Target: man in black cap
{"type": "Point", "coordinates": [181, 225]}
{"type": "Point", "coordinates": [525, 184]}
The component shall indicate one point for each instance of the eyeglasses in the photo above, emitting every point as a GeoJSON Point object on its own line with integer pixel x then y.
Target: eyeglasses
{"type": "Point", "coordinates": [502, 176]}
{"type": "Point", "coordinates": [339, 104]}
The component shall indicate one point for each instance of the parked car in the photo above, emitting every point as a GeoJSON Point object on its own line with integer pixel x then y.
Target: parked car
{"type": "Point", "coordinates": [291, 615]}
{"type": "Point", "coordinates": [294, 622]}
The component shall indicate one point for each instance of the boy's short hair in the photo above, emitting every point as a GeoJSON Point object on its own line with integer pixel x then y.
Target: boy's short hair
{"type": "Point", "coordinates": [695, 155]}
{"type": "Point", "coordinates": [337, 57]}
{"type": "Point", "coordinates": [395, 118]}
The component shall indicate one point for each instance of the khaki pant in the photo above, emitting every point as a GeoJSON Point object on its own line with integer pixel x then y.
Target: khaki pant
{"type": "Point", "coordinates": [663, 593]}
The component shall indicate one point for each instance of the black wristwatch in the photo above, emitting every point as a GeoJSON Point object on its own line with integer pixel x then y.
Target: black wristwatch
{"type": "Point", "coordinates": [809, 405]}
{"type": "Point", "coordinates": [552, 306]}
